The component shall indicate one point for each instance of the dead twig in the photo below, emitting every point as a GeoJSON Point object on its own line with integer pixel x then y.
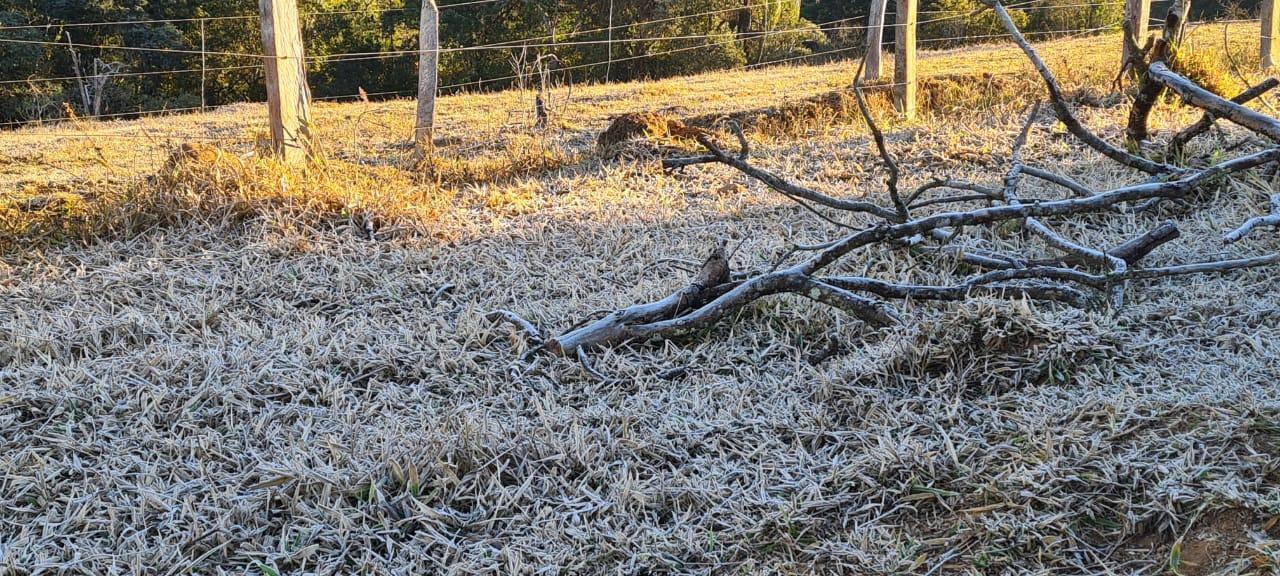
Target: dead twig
{"type": "Point", "coordinates": [1245, 229]}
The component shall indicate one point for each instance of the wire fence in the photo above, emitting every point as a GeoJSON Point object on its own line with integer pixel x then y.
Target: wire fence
{"type": "Point", "coordinates": [607, 37]}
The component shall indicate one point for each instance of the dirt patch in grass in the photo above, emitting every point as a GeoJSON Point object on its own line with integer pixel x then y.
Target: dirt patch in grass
{"type": "Point", "coordinates": [1224, 541]}
{"type": "Point", "coordinates": [1216, 541]}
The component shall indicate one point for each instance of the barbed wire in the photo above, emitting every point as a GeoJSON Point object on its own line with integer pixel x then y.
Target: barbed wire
{"type": "Point", "coordinates": [233, 17]}
{"type": "Point", "coordinates": [152, 135]}
{"type": "Point", "coordinates": [481, 82]}
{"type": "Point", "coordinates": [391, 53]}
{"type": "Point", "coordinates": [822, 26]}
{"type": "Point", "coordinates": [709, 42]}
{"type": "Point", "coordinates": [131, 74]}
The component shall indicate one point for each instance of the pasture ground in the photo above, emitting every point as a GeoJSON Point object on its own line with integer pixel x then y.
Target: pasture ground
{"type": "Point", "coordinates": [212, 364]}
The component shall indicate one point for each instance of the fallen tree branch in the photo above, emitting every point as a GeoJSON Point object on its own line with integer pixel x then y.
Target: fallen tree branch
{"type": "Point", "coordinates": [1218, 106]}
{"type": "Point", "coordinates": [1179, 141]}
{"type": "Point", "coordinates": [1081, 276]}
{"type": "Point", "coordinates": [1131, 252]}
{"type": "Point", "coordinates": [1245, 229]}
{"type": "Point", "coordinates": [531, 333]}
{"type": "Point", "coordinates": [985, 285]}
{"type": "Point", "coordinates": [776, 182]}
{"type": "Point", "coordinates": [1075, 187]}
{"type": "Point", "coordinates": [1063, 110]}
{"type": "Point", "coordinates": [659, 318]}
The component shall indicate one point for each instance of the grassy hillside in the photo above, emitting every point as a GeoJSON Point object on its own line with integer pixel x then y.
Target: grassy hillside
{"type": "Point", "coordinates": [208, 361]}
{"type": "Point", "coordinates": [83, 180]}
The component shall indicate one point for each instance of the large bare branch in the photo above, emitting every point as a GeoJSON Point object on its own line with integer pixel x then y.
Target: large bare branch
{"type": "Point", "coordinates": [1081, 276]}
{"type": "Point", "coordinates": [1220, 107]}
{"type": "Point", "coordinates": [1179, 141]}
{"type": "Point", "coordinates": [662, 318]}
{"type": "Point", "coordinates": [1062, 109]}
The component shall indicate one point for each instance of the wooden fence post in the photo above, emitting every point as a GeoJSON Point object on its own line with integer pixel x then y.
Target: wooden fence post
{"type": "Point", "coordinates": [904, 61]}
{"type": "Point", "coordinates": [608, 69]}
{"type": "Point", "coordinates": [875, 39]}
{"type": "Point", "coordinates": [428, 81]}
{"type": "Point", "coordinates": [288, 97]}
{"type": "Point", "coordinates": [1138, 14]}
{"type": "Point", "coordinates": [204, 69]}
{"type": "Point", "coordinates": [1270, 34]}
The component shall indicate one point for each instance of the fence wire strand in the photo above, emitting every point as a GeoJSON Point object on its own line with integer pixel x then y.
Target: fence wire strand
{"type": "Point", "coordinates": [551, 41]}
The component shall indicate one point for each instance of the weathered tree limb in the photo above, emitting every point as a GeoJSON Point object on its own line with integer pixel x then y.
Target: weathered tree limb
{"type": "Point", "coordinates": [1208, 101]}
{"type": "Point", "coordinates": [1149, 89]}
{"type": "Point", "coordinates": [1214, 267]}
{"type": "Point", "coordinates": [912, 199]}
{"type": "Point", "coordinates": [778, 183]}
{"type": "Point", "coordinates": [952, 200]}
{"type": "Point", "coordinates": [876, 313]}
{"type": "Point", "coordinates": [1080, 277]}
{"type": "Point", "coordinates": [1063, 110]}
{"type": "Point", "coordinates": [1131, 251]}
{"type": "Point", "coordinates": [1272, 220]}
{"type": "Point", "coordinates": [713, 280]}
{"type": "Point", "coordinates": [1179, 141]}
{"type": "Point", "coordinates": [1076, 188]}
{"type": "Point", "coordinates": [985, 285]}
{"type": "Point", "coordinates": [630, 324]}
{"type": "Point", "coordinates": [885, 156]}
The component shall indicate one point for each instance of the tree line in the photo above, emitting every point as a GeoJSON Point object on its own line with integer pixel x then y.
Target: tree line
{"type": "Point", "coordinates": [53, 66]}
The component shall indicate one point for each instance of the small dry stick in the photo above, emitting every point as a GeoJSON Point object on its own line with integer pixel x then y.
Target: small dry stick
{"type": "Point", "coordinates": [1272, 220]}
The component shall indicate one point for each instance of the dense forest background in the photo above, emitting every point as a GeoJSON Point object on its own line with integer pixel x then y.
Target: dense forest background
{"type": "Point", "coordinates": [39, 71]}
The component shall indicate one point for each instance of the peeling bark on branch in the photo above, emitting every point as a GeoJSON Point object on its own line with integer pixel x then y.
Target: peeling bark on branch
{"type": "Point", "coordinates": [1212, 103]}
{"type": "Point", "coordinates": [1180, 140]}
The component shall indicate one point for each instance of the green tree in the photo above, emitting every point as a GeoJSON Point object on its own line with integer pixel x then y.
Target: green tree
{"type": "Point", "coordinates": [958, 22]}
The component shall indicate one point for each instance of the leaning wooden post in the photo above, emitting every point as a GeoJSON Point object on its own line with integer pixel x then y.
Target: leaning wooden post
{"type": "Point", "coordinates": [875, 39]}
{"type": "Point", "coordinates": [428, 81]}
{"type": "Point", "coordinates": [288, 97]}
{"type": "Point", "coordinates": [1270, 34]}
{"type": "Point", "coordinates": [1137, 13]}
{"type": "Point", "coordinates": [904, 60]}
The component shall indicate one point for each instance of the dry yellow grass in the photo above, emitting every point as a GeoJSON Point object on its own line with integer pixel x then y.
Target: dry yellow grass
{"type": "Point", "coordinates": [227, 366]}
